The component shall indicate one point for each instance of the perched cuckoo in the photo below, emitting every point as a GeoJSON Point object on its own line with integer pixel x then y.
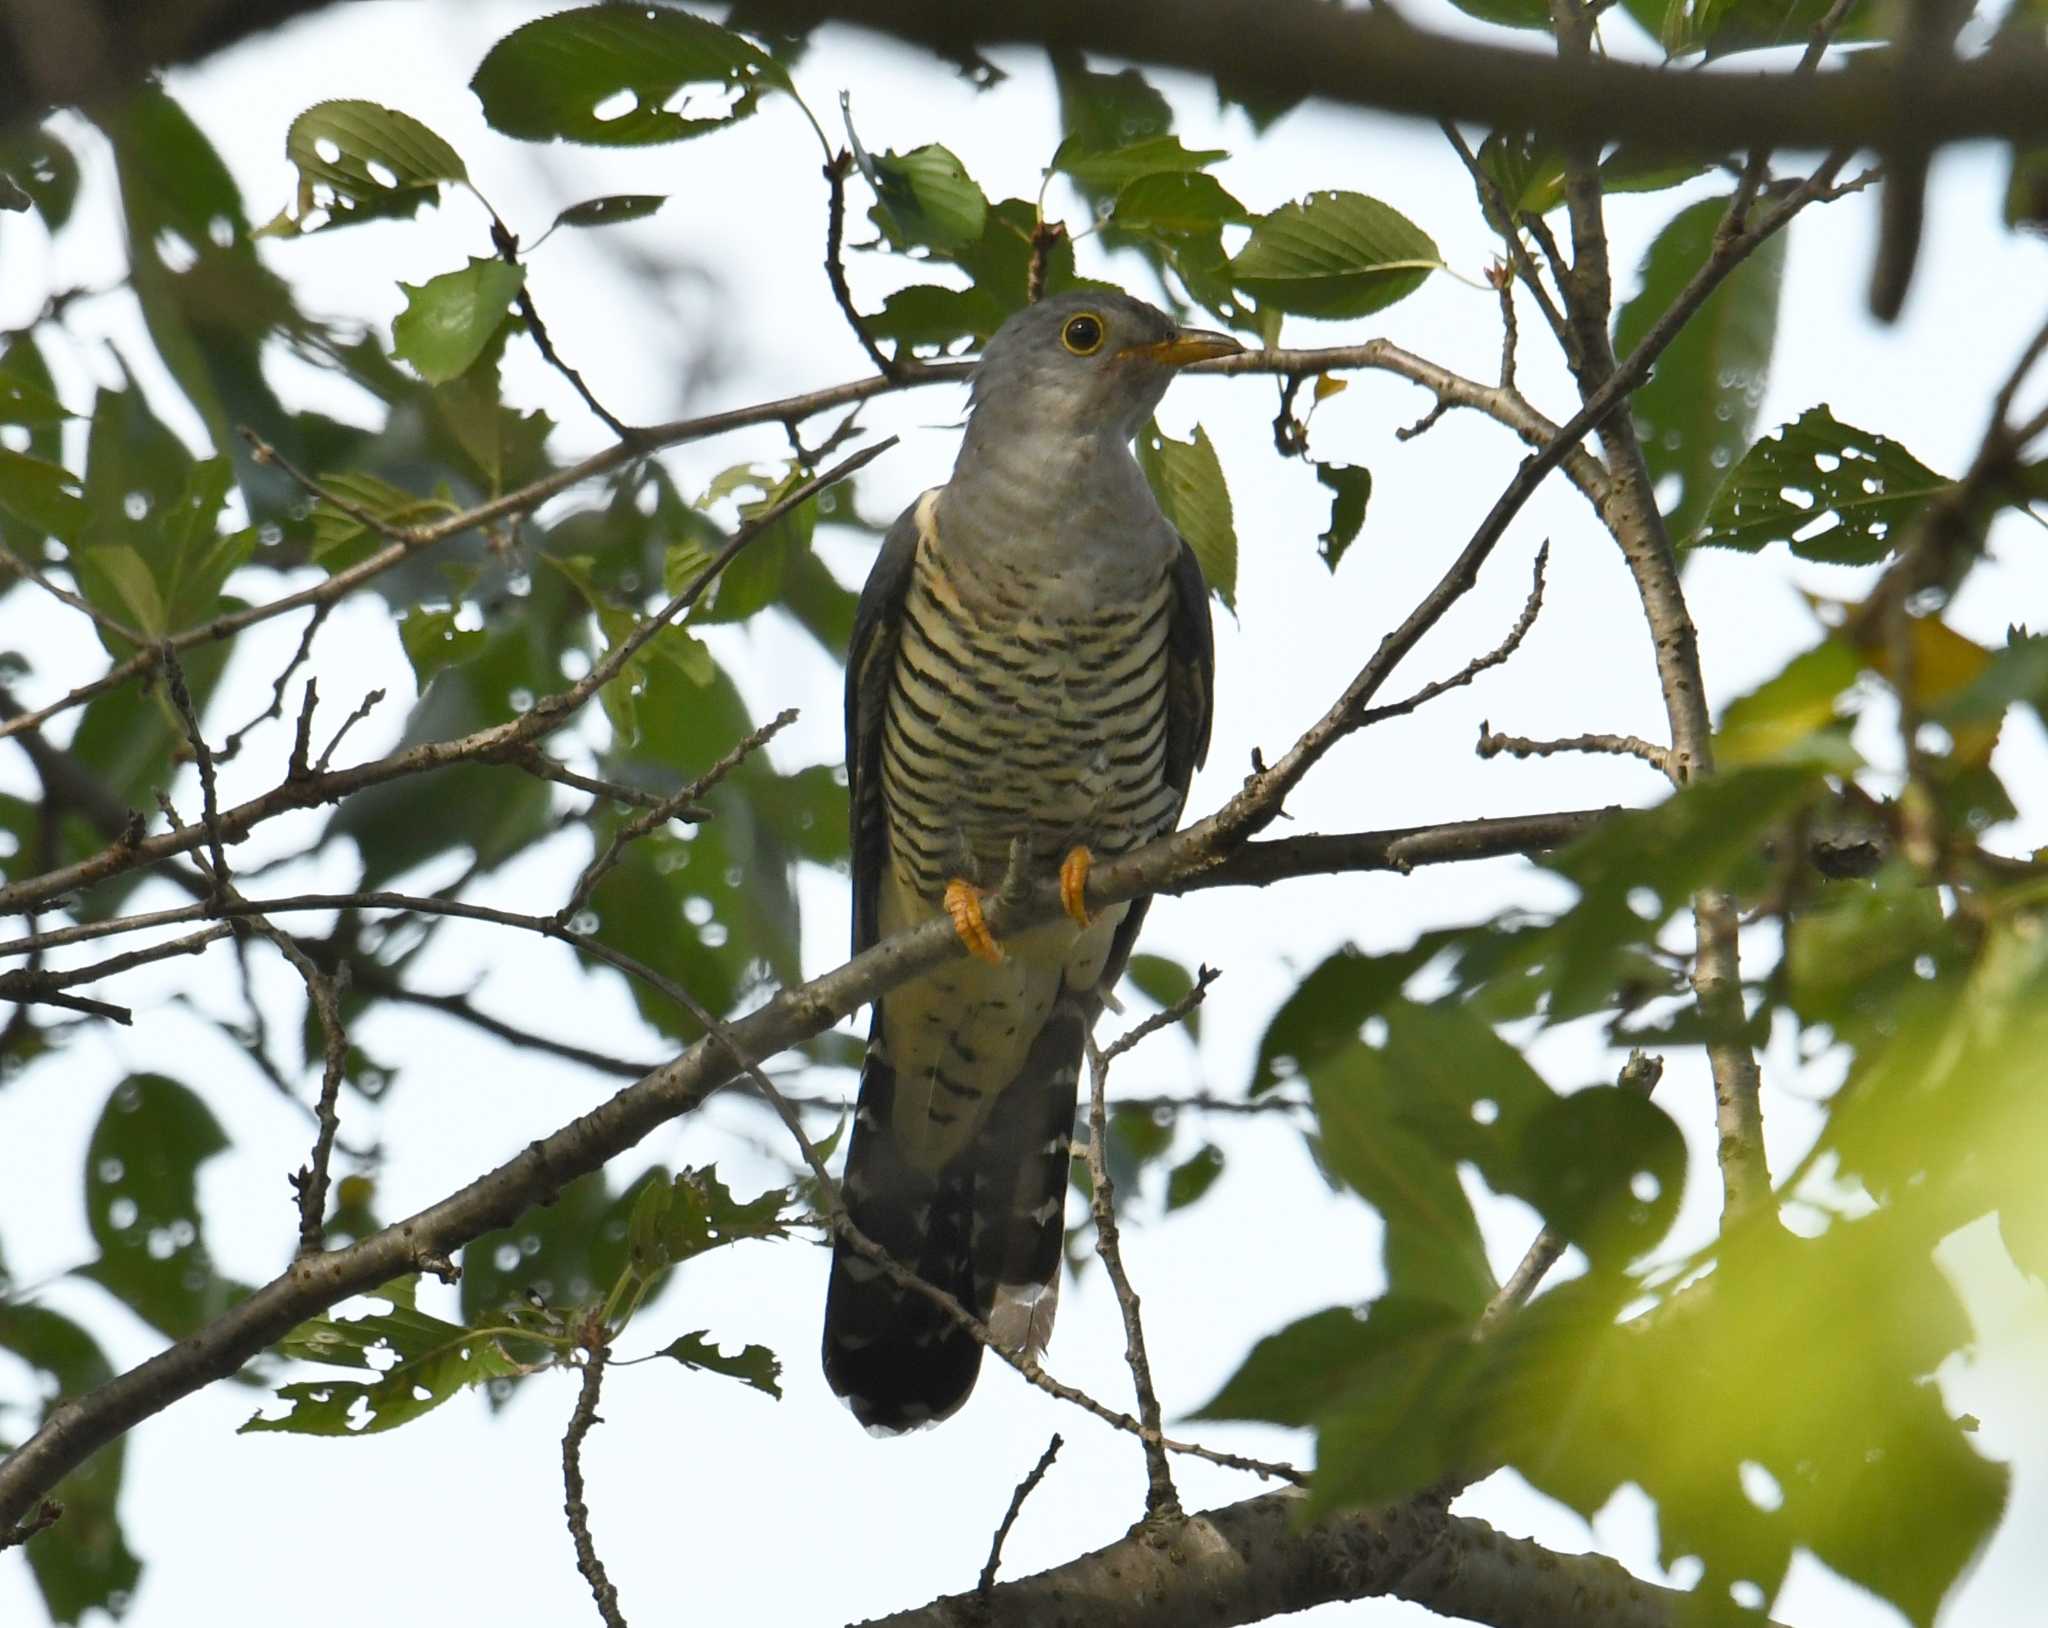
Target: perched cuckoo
{"type": "Point", "coordinates": [1029, 680]}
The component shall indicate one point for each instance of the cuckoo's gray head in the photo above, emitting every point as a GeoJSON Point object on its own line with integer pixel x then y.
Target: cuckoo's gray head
{"type": "Point", "coordinates": [1082, 366]}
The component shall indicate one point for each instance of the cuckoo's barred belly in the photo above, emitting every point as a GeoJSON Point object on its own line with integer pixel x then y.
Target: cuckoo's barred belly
{"type": "Point", "coordinates": [1005, 720]}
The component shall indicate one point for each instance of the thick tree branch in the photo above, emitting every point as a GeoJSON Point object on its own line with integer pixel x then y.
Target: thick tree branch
{"type": "Point", "coordinates": [1249, 1561]}
{"type": "Point", "coordinates": [1376, 58]}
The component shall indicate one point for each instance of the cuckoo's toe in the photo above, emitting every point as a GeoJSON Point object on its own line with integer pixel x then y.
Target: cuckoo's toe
{"type": "Point", "coordinates": [1074, 884]}
{"type": "Point", "coordinates": [963, 904]}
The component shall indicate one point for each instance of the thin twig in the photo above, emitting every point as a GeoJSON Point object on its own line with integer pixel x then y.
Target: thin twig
{"type": "Point", "coordinates": [233, 744]}
{"type": "Point", "coordinates": [1531, 608]}
{"type": "Point", "coordinates": [1025, 1488]}
{"type": "Point", "coordinates": [1162, 1502]}
{"type": "Point", "coordinates": [836, 172]}
{"type": "Point", "coordinates": [508, 251]}
{"type": "Point", "coordinates": [310, 1181]}
{"type": "Point", "coordinates": [1492, 745]}
{"type": "Point", "coordinates": [1639, 1074]}
{"type": "Point", "coordinates": [665, 810]}
{"type": "Point", "coordinates": [578, 1512]}
{"type": "Point", "coordinates": [542, 767]}
{"type": "Point", "coordinates": [363, 710]}
{"type": "Point", "coordinates": [181, 698]}
{"type": "Point", "coordinates": [108, 623]}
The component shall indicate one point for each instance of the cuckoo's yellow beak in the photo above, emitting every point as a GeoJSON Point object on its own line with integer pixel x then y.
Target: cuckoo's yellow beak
{"type": "Point", "coordinates": [1188, 345]}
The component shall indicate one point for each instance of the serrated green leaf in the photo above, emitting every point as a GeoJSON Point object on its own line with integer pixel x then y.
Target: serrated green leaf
{"type": "Point", "coordinates": [1187, 479]}
{"type": "Point", "coordinates": [433, 641]}
{"type": "Point", "coordinates": [675, 1221]}
{"type": "Point", "coordinates": [430, 1360]}
{"type": "Point", "coordinates": [1695, 415]}
{"type": "Point", "coordinates": [753, 1365]}
{"type": "Point", "coordinates": [1829, 492]}
{"type": "Point", "coordinates": [1334, 255]}
{"type": "Point", "coordinates": [1111, 169]}
{"type": "Point", "coordinates": [1350, 489]}
{"type": "Point", "coordinates": [612, 210]}
{"type": "Point", "coordinates": [362, 161]}
{"type": "Point", "coordinates": [926, 199]}
{"type": "Point", "coordinates": [1175, 203]}
{"type": "Point", "coordinates": [448, 320]}
{"type": "Point", "coordinates": [607, 74]}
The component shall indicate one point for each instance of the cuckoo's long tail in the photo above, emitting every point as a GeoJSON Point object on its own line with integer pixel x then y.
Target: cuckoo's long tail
{"type": "Point", "coordinates": [987, 1228]}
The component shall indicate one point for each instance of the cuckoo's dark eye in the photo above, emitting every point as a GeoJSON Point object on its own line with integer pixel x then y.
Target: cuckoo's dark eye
{"type": "Point", "coordinates": [1083, 334]}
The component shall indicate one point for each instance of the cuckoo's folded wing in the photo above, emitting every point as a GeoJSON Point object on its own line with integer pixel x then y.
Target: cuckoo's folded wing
{"type": "Point", "coordinates": [870, 660]}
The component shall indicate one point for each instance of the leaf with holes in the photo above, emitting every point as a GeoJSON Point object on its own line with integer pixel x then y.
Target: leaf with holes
{"type": "Point", "coordinates": [448, 320]}
{"type": "Point", "coordinates": [616, 76]}
{"type": "Point", "coordinates": [675, 1221]}
{"type": "Point", "coordinates": [360, 161]}
{"type": "Point", "coordinates": [1174, 204]}
{"type": "Point", "coordinates": [419, 1361]}
{"type": "Point", "coordinates": [1695, 415]}
{"type": "Point", "coordinates": [1828, 491]}
{"type": "Point", "coordinates": [1187, 479]}
{"type": "Point", "coordinates": [1334, 255]}
{"type": "Point", "coordinates": [753, 1365]}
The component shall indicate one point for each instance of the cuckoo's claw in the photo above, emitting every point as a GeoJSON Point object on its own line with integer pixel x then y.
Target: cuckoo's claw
{"type": "Point", "coordinates": [963, 904]}
{"type": "Point", "coordinates": [1074, 884]}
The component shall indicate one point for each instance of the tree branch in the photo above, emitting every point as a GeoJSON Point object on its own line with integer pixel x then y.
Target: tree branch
{"type": "Point", "coordinates": [1249, 1561]}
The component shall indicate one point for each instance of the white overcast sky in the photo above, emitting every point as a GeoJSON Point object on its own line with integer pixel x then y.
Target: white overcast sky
{"type": "Point", "coordinates": [712, 1503]}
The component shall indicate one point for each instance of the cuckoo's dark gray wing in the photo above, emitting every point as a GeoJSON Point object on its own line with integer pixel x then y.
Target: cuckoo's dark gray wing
{"type": "Point", "coordinates": [870, 659]}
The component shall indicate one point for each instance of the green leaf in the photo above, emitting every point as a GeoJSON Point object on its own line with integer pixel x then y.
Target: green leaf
{"type": "Point", "coordinates": [1108, 170]}
{"type": "Point", "coordinates": [1793, 716]}
{"type": "Point", "coordinates": [1187, 479]}
{"type": "Point", "coordinates": [1163, 981]}
{"type": "Point", "coordinates": [1433, 1248]}
{"type": "Point", "coordinates": [449, 320]}
{"type": "Point", "coordinates": [1323, 1015]}
{"type": "Point", "coordinates": [1350, 488]}
{"type": "Point", "coordinates": [1695, 415]}
{"type": "Point", "coordinates": [83, 1562]}
{"type": "Point", "coordinates": [361, 161]}
{"type": "Point", "coordinates": [421, 1361]}
{"type": "Point", "coordinates": [22, 401]}
{"type": "Point", "coordinates": [1606, 1168]}
{"type": "Point", "coordinates": [45, 171]}
{"type": "Point", "coordinates": [754, 1365]}
{"type": "Point", "coordinates": [41, 495]}
{"type": "Point", "coordinates": [340, 540]}
{"type": "Point", "coordinates": [1192, 1177]}
{"type": "Point", "coordinates": [997, 265]}
{"type": "Point", "coordinates": [606, 75]}
{"type": "Point", "coordinates": [1176, 202]}
{"type": "Point", "coordinates": [1829, 492]}
{"type": "Point", "coordinates": [1717, 28]}
{"type": "Point", "coordinates": [433, 641]}
{"type": "Point", "coordinates": [117, 580]}
{"type": "Point", "coordinates": [612, 210]}
{"type": "Point", "coordinates": [1107, 113]}
{"type": "Point", "coordinates": [1334, 255]}
{"type": "Point", "coordinates": [673, 1222]}
{"type": "Point", "coordinates": [926, 199]}
{"type": "Point", "coordinates": [142, 1205]}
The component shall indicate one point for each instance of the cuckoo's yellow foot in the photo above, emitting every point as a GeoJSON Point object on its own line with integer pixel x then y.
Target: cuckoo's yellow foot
{"type": "Point", "coordinates": [1074, 883]}
{"type": "Point", "coordinates": [1029, 675]}
{"type": "Point", "coordinates": [963, 904]}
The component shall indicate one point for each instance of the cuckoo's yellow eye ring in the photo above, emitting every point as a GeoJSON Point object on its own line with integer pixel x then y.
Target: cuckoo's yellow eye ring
{"type": "Point", "coordinates": [1082, 334]}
